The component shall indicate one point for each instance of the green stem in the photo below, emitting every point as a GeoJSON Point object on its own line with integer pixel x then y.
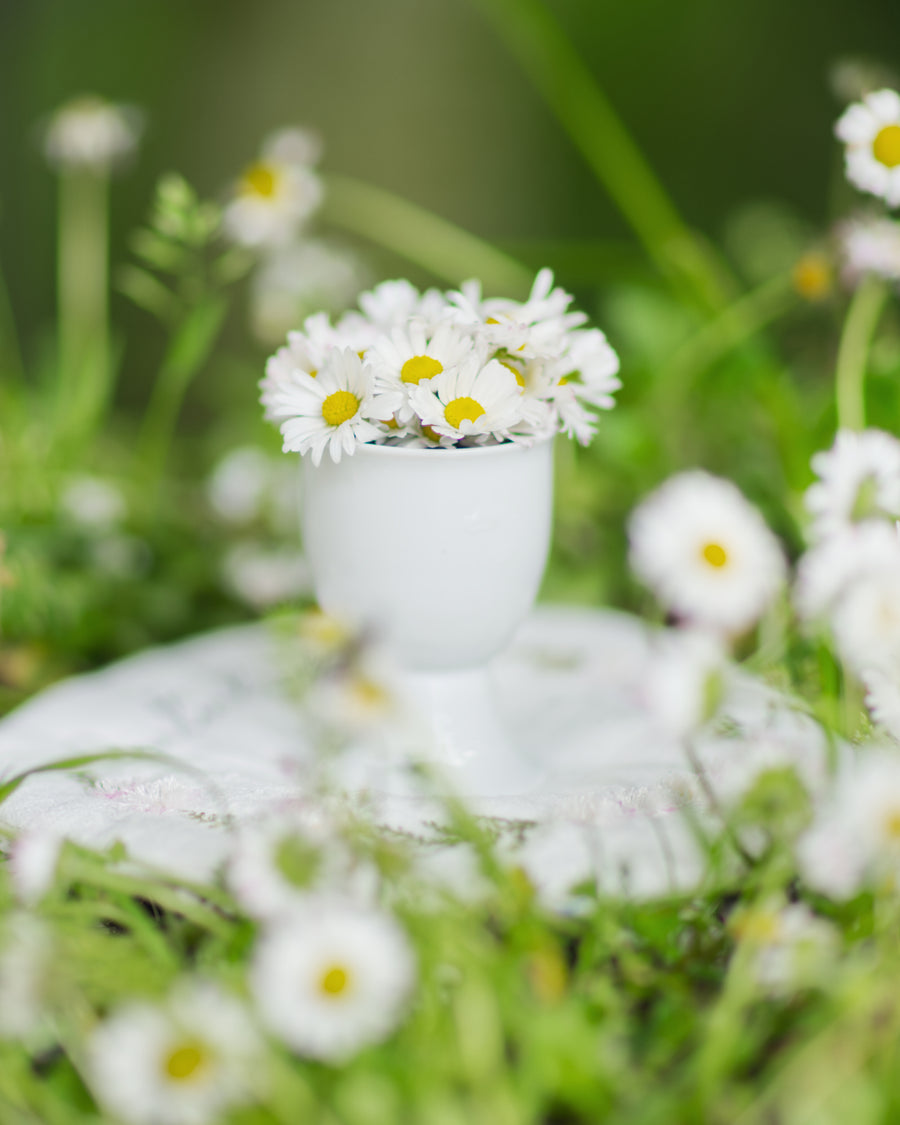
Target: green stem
{"type": "Point", "coordinates": [445, 250]}
{"type": "Point", "coordinates": [856, 339]}
{"type": "Point", "coordinates": [733, 326]}
{"type": "Point", "coordinates": [188, 351]}
{"type": "Point", "coordinates": [567, 85]}
{"type": "Point", "coordinates": [83, 296]}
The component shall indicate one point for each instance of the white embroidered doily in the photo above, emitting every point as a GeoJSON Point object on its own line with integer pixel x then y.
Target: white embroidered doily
{"type": "Point", "coordinates": [238, 748]}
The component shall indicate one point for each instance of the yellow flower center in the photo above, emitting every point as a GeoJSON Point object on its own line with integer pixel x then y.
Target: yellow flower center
{"type": "Point", "coordinates": [461, 410]}
{"type": "Point", "coordinates": [259, 179]}
{"type": "Point", "coordinates": [892, 825]}
{"type": "Point", "coordinates": [520, 378]}
{"type": "Point", "coordinates": [340, 406]}
{"type": "Point", "coordinates": [369, 695]}
{"type": "Point", "coordinates": [715, 554]}
{"type": "Point", "coordinates": [431, 432]}
{"type": "Point", "coordinates": [392, 424]}
{"type": "Point", "coordinates": [812, 277]}
{"type": "Point", "coordinates": [334, 981]}
{"type": "Point", "coordinates": [761, 927]}
{"type": "Point", "coordinates": [886, 146]}
{"type": "Point", "coordinates": [186, 1061]}
{"type": "Point", "coordinates": [420, 367]}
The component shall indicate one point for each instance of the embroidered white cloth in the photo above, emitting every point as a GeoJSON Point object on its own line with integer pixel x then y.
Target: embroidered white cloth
{"type": "Point", "coordinates": [237, 747]}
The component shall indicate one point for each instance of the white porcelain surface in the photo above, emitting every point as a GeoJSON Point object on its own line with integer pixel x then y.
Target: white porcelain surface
{"type": "Point", "coordinates": [441, 551]}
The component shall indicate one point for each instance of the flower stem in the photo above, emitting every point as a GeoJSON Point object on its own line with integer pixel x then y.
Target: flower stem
{"type": "Point", "coordinates": [188, 351]}
{"type": "Point", "coordinates": [445, 250]}
{"type": "Point", "coordinates": [856, 340]}
{"type": "Point", "coordinates": [567, 85]}
{"type": "Point", "coordinates": [735, 325]}
{"type": "Point", "coordinates": [83, 297]}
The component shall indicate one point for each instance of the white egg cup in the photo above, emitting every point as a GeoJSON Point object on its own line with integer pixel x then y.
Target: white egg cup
{"type": "Point", "coordinates": [441, 553]}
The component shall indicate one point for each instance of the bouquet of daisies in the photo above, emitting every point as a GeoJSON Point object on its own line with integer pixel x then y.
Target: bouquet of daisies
{"type": "Point", "coordinates": [440, 370]}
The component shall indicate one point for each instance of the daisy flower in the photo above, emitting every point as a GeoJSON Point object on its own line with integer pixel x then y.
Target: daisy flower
{"type": "Point", "coordinates": [871, 131]}
{"type": "Point", "coordinates": [333, 978]}
{"type": "Point", "coordinates": [277, 861]}
{"type": "Point", "coordinates": [683, 681]}
{"type": "Point", "coordinates": [529, 328]}
{"type": "Point", "coordinates": [866, 622]}
{"type": "Point", "coordinates": [91, 133]}
{"type": "Point", "coordinates": [335, 410]}
{"type": "Point", "coordinates": [277, 193]}
{"type": "Point", "coordinates": [830, 859]}
{"type": "Point", "coordinates": [415, 353]}
{"type": "Point", "coordinates": [470, 401]}
{"type": "Point", "coordinates": [870, 244]}
{"type": "Point", "coordinates": [788, 945]}
{"type": "Point", "coordinates": [870, 809]}
{"type": "Point", "coordinates": [179, 1063]}
{"type": "Point", "coordinates": [26, 958]}
{"type": "Point", "coordinates": [859, 478]}
{"type": "Point", "coordinates": [883, 698]}
{"type": "Point", "coordinates": [830, 568]}
{"type": "Point", "coordinates": [393, 303]}
{"type": "Point", "coordinates": [33, 860]}
{"type": "Point", "coordinates": [812, 276]}
{"type": "Point", "coordinates": [706, 552]}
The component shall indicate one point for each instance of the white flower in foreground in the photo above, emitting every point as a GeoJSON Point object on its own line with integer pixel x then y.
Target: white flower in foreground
{"type": "Point", "coordinates": [789, 946]}
{"type": "Point", "coordinates": [336, 410]}
{"type": "Point", "coordinates": [856, 840]}
{"type": "Point", "coordinates": [33, 859]}
{"type": "Point", "coordinates": [179, 1063]}
{"type": "Point", "coordinates": [829, 858]}
{"type": "Point", "coordinates": [277, 861]}
{"type": "Point", "coordinates": [830, 568]}
{"type": "Point", "coordinates": [870, 807]}
{"type": "Point", "coordinates": [683, 681]}
{"type": "Point", "coordinates": [275, 195]}
{"type": "Point", "coordinates": [25, 959]}
{"type": "Point", "coordinates": [362, 696]}
{"type": "Point", "coordinates": [706, 552]}
{"type": "Point", "coordinates": [870, 244]}
{"type": "Point", "coordinates": [871, 131]}
{"type": "Point", "coordinates": [470, 401]}
{"type": "Point", "coordinates": [866, 622]}
{"type": "Point", "coordinates": [333, 978]}
{"type": "Point", "coordinates": [883, 697]}
{"type": "Point", "coordinates": [91, 133]}
{"type": "Point", "coordinates": [859, 479]}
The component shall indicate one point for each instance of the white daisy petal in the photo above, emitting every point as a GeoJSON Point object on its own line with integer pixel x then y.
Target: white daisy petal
{"type": "Point", "coordinates": [706, 552]}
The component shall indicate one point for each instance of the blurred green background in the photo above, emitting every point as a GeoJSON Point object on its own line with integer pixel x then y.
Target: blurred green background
{"type": "Point", "coordinates": [730, 102]}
